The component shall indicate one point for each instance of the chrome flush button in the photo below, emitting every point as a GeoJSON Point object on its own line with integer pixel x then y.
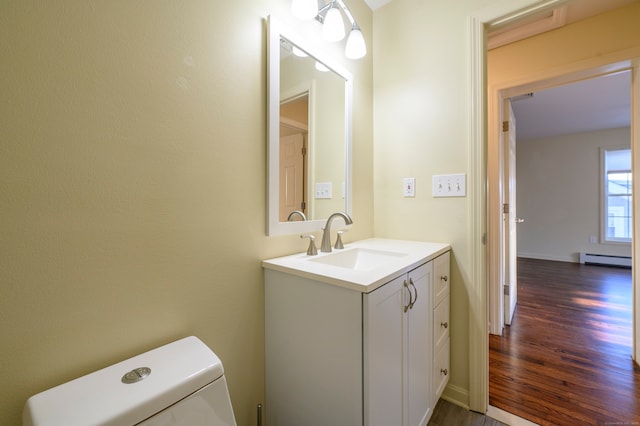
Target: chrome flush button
{"type": "Point", "coordinates": [136, 375]}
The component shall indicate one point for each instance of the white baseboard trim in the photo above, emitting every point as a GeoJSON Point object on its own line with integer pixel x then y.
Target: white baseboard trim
{"type": "Point", "coordinates": [508, 418]}
{"type": "Point", "coordinates": [571, 259]}
{"type": "Point", "coordinates": [460, 397]}
{"type": "Point", "coordinates": [456, 395]}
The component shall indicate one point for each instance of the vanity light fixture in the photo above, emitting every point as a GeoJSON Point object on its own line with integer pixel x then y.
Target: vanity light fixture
{"type": "Point", "coordinates": [333, 25]}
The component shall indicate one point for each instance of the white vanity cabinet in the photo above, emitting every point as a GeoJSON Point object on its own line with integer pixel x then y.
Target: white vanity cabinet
{"type": "Point", "coordinates": [338, 356]}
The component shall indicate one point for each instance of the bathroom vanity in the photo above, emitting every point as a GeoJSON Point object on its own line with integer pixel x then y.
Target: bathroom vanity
{"type": "Point", "coordinates": [359, 336]}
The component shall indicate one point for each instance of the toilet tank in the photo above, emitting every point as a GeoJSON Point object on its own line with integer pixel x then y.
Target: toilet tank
{"type": "Point", "coordinates": [181, 383]}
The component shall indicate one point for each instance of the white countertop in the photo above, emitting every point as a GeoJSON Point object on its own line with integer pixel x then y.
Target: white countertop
{"type": "Point", "coordinates": [410, 254]}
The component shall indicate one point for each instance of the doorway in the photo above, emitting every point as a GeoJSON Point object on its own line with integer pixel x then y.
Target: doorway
{"type": "Point", "coordinates": [565, 132]}
{"type": "Point", "coordinates": [485, 103]}
{"type": "Point", "coordinates": [562, 186]}
{"type": "Point", "coordinates": [294, 130]}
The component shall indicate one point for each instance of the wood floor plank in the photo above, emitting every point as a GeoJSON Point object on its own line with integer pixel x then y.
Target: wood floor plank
{"type": "Point", "coordinates": [566, 358]}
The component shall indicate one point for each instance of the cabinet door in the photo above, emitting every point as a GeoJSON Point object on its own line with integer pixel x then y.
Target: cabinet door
{"type": "Point", "coordinates": [419, 347]}
{"type": "Point", "coordinates": [384, 333]}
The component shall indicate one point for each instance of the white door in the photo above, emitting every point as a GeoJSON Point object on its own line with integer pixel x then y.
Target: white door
{"type": "Point", "coordinates": [510, 219]}
{"type": "Point", "coordinates": [291, 174]}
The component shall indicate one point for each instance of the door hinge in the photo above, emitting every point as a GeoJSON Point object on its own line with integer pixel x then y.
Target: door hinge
{"type": "Point", "coordinates": [505, 208]}
{"type": "Point", "coordinates": [505, 126]}
{"type": "Point", "coordinates": [507, 290]}
{"type": "Point", "coordinates": [304, 151]}
{"type": "Point", "coordinates": [303, 206]}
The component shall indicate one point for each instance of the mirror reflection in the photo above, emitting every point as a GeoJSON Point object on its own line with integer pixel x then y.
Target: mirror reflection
{"type": "Point", "coordinates": [309, 135]}
{"type": "Point", "coordinates": [312, 137]}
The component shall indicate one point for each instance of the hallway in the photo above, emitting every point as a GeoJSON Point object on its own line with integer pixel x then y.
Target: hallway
{"type": "Point", "coordinates": [566, 358]}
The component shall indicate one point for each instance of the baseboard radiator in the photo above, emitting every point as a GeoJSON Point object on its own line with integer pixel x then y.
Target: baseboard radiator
{"type": "Point", "coordinates": [605, 259]}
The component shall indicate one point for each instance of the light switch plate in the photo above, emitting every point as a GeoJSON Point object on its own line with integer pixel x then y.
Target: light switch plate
{"type": "Point", "coordinates": [453, 185]}
{"type": "Point", "coordinates": [324, 190]}
{"type": "Point", "coordinates": [409, 187]}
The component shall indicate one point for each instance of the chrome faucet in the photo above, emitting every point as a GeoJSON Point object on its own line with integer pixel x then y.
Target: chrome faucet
{"type": "Point", "coordinates": [326, 235]}
{"type": "Point", "coordinates": [296, 212]}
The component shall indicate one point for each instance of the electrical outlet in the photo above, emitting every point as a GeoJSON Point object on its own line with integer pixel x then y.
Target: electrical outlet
{"type": "Point", "coordinates": [409, 187]}
{"type": "Point", "coordinates": [453, 185]}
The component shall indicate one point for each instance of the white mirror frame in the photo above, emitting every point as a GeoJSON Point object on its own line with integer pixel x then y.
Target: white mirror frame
{"type": "Point", "coordinates": [274, 226]}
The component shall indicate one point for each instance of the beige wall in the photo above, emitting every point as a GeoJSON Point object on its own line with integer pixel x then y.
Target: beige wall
{"type": "Point", "coordinates": [421, 128]}
{"type": "Point", "coordinates": [421, 102]}
{"type": "Point", "coordinates": [132, 174]}
{"type": "Point", "coordinates": [132, 182]}
{"type": "Point", "coordinates": [557, 226]}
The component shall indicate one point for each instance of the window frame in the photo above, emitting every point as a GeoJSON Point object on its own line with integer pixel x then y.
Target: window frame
{"type": "Point", "coordinates": [604, 191]}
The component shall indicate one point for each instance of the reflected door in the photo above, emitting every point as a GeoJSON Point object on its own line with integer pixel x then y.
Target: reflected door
{"type": "Point", "coordinates": [291, 175]}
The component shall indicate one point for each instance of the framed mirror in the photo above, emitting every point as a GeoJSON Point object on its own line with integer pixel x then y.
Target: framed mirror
{"type": "Point", "coordinates": [309, 135]}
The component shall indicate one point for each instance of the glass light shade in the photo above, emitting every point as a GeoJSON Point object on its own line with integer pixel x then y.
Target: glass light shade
{"type": "Point", "coordinates": [356, 48]}
{"type": "Point", "coordinates": [333, 27]}
{"type": "Point", "coordinates": [304, 9]}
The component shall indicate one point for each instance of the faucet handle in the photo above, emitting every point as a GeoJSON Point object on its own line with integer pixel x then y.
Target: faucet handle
{"type": "Point", "coordinates": [312, 250]}
{"type": "Point", "coordinates": [339, 244]}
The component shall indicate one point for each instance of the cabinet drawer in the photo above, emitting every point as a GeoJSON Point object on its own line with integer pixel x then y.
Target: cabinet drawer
{"type": "Point", "coordinates": [441, 278]}
{"type": "Point", "coordinates": [441, 370]}
{"type": "Point", "coordinates": [441, 323]}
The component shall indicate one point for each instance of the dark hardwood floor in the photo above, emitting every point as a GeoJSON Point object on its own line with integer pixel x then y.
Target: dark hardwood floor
{"type": "Point", "coordinates": [566, 358]}
{"type": "Point", "coordinates": [448, 414]}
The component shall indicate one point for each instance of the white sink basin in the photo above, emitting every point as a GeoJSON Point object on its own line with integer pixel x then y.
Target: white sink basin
{"type": "Point", "coordinates": [362, 259]}
{"type": "Point", "coordinates": [362, 265]}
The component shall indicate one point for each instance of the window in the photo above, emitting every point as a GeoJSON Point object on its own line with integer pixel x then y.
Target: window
{"type": "Point", "coordinates": [617, 195]}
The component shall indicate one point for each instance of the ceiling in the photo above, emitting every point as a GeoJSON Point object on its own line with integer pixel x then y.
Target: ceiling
{"type": "Point", "coordinates": [588, 105]}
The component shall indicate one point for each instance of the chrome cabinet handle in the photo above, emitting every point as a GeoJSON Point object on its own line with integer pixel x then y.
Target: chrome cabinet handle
{"type": "Point", "coordinates": [416, 292]}
{"type": "Point", "coordinates": [444, 371]}
{"type": "Point", "coordinates": [444, 324]}
{"type": "Point", "coordinates": [405, 285]}
{"type": "Point", "coordinates": [444, 278]}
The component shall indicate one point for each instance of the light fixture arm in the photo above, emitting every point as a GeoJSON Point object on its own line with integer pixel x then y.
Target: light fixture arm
{"type": "Point", "coordinates": [345, 9]}
{"type": "Point", "coordinates": [347, 13]}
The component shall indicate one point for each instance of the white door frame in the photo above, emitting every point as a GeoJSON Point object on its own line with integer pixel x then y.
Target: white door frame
{"type": "Point", "coordinates": [482, 131]}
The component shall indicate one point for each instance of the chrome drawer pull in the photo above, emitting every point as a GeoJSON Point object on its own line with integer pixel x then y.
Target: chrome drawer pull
{"type": "Point", "coordinates": [444, 278]}
{"type": "Point", "coordinates": [444, 324]}
{"type": "Point", "coordinates": [415, 290]}
{"type": "Point", "coordinates": [406, 308]}
{"type": "Point", "coordinates": [444, 371]}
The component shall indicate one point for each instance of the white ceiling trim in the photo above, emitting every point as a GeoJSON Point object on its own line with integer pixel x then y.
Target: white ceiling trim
{"type": "Point", "coordinates": [556, 19]}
